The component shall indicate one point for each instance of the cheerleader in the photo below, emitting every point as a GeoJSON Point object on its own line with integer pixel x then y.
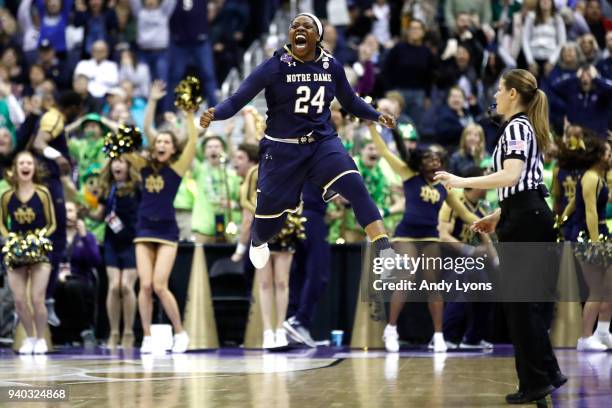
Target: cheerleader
{"type": "Point", "coordinates": [424, 198]}
{"type": "Point", "coordinates": [564, 177]}
{"type": "Point", "coordinates": [157, 232]}
{"type": "Point", "coordinates": [25, 209]}
{"type": "Point", "coordinates": [589, 223]}
{"type": "Point", "coordinates": [118, 208]}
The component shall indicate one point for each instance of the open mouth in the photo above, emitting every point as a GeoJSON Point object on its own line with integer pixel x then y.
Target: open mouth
{"type": "Point", "coordinates": [25, 173]}
{"type": "Point", "coordinates": [301, 40]}
{"type": "Point", "coordinates": [373, 158]}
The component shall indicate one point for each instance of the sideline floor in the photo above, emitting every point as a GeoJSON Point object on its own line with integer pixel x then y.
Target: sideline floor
{"type": "Point", "coordinates": [326, 377]}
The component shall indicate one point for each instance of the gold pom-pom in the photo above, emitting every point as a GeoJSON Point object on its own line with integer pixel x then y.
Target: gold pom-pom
{"type": "Point", "coordinates": [188, 94]}
{"type": "Point", "coordinates": [22, 249]}
{"type": "Point", "coordinates": [127, 140]}
{"type": "Point", "coordinates": [292, 231]}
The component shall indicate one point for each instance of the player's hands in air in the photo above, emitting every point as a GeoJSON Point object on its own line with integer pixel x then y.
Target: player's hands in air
{"type": "Point", "coordinates": [207, 117]}
{"type": "Point", "coordinates": [387, 120]}
{"type": "Point", "coordinates": [449, 180]}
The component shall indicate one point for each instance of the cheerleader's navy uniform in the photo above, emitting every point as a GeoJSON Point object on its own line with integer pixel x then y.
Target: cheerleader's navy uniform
{"type": "Point", "coordinates": [423, 203]}
{"type": "Point", "coordinates": [156, 215]}
{"type": "Point", "coordinates": [579, 214]}
{"type": "Point", "coordinates": [26, 217]}
{"type": "Point", "coordinates": [567, 180]}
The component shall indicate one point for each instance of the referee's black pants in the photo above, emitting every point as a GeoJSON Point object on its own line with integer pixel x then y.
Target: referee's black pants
{"type": "Point", "coordinates": [525, 217]}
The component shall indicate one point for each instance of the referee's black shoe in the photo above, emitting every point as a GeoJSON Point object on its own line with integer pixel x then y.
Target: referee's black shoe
{"type": "Point", "coordinates": [558, 379]}
{"type": "Point", "coordinates": [524, 397]}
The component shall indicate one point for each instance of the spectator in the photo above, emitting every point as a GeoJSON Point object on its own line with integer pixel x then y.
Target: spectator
{"type": "Point", "coordinates": [477, 10]}
{"type": "Point", "coordinates": [458, 70]}
{"type": "Point", "coordinates": [595, 20]}
{"type": "Point", "coordinates": [588, 99]}
{"type": "Point", "coordinates": [80, 84]}
{"type": "Point", "coordinates": [29, 23]}
{"type": "Point", "coordinates": [492, 72]}
{"type": "Point", "coordinates": [543, 36]}
{"type": "Point", "coordinates": [217, 193]}
{"type": "Point", "coordinates": [409, 68]}
{"type": "Point", "coordinates": [365, 68]}
{"type": "Point", "coordinates": [605, 65]}
{"type": "Point", "coordinates": [189, 44]}
{"type": "Point", "coordinates": [100, 23]}
{"type": "Point", "coordinates": [102, 73]}
{"type": "Point", "coordinates": [380, 13]}
{"type": "Point", "coordinates": [469, 36]}
{"type": "Point", "coordinates": [471, 151]}
{"type": "Point", "coordinates": [87, 149]}
{"type": "Point", "coordinates": [359, 26]}
{"type": "Point", "coordinates": [136, 105]}
{"type": "Point", "coordinates": [510, 36]}
{"type": "Point", "coordinates": [452, 117]}
{"type": "Point", "coordinates": [567, 66]}
{"type": "Point", "coordinates": [75, 293]}
{"type": "Point", "coordinates": [54, 19]}
{"type": "Point", "coordinates": [228, 23]}
{"type": "Point", "coordinates": [589, 49]}
{"type": "Point", "coordinates": [11, 60]}
{"type": "Point", "coordinates": [575, 24]}
{"type": "Point", "coordinates": [153, 17]}
{"type": "Point", "coordinates": [54, 68]}
{"type": "Point", "coordinates": [36, 76]}
{"type": "Point", "coordinates": [135, 72]}
{"type": "Point", "coordinates": [11, 113]}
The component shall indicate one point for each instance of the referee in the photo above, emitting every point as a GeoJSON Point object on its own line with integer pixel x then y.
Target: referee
{"type": "Point", "coordinates": [524, 216]}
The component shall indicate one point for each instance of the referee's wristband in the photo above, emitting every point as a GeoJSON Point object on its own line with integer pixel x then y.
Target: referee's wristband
{"type": "Point", "coordinates": [240, 248]}
{"type": "Point", "coordinates": [51, 153]}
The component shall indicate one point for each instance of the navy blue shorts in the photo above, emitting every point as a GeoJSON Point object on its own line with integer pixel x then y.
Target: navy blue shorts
{"type": "Point", "coordinates": [284, 167]}
{"type": "Point", "coordinates": [122, 257]}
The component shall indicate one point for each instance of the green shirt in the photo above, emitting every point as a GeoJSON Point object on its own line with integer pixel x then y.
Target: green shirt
{"type": "Point", "coordinates": [86, 152]}
{"type": "Point", "coordinates": [213, 185]}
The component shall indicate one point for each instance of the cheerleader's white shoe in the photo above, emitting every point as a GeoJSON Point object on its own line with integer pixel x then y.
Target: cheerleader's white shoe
{"type": "Point", "coordinates": [259, 255]}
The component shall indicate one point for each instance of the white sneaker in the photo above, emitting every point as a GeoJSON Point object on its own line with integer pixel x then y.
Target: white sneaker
{"type": "Point", "coordinates": [281, 338]}
{"type": "Point", "coordinates": [437, 343]}
{"type": "Point", "coordinates": [181, 342]}
{"type": "Point", "coordinates": [259, 255]}
{"type": "Point", "coordinates": [147, 345]}
{"type": "Point", "coordinates": [451, 345]}
{"type": "Point", "coordinates": [268, 339]}
{"type": "Point", "coordinates": [27, 347]}
{"type": "Point", "coordinates": [40, 347]}
{"type": "Point", "coordinates": [485, 345]}
{"type": "Point", "coordinates": [391, 339]}
{"type": "Point", "coordinates": [590, 344]}
{"type": "Point", "coordinates": [604, 338]}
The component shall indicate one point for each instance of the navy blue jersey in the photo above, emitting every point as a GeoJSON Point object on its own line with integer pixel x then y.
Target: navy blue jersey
{"type": "Point", "coordinates": [298, 95]}
{"type": "Point", "coordinates": [579, 220]}
{"type": "Point", "coordinates": [423, 203]}
{"type": "Point", "coordinates": [461, 230]}
{"type": "Point", "coordinates": [27, 216]}
{"type": "Point", "coordinates": [566, 181]}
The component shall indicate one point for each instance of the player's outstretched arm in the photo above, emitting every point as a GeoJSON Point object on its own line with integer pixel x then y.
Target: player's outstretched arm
{"type": "Point", "coordinates": [357, 106]}
{"type": "Point", "coordinates": [250, 87]}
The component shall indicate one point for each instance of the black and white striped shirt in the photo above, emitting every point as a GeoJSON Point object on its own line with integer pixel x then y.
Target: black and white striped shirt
{"type": "Point", "coordinates": [518, 141]}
